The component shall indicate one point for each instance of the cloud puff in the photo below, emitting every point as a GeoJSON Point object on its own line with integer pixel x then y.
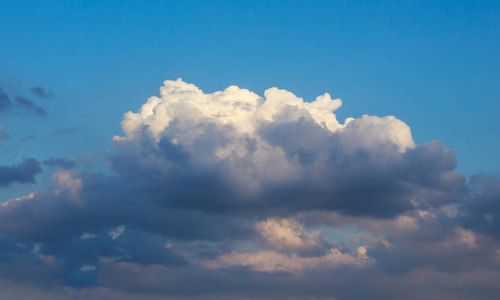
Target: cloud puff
{"type": "Point", "coordinates": [42, 92]}
{"type": "Point", "coordinates": [5, 103]}
{"type": "Point", "coordinates": [23, 172]}
{"type": "Point", "coordinates": [234, 195]}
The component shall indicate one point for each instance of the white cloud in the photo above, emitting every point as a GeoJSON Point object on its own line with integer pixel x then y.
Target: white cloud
{"type": "Point", "coordinates": [87, 236]}
{"type": "Point", "coordinates": [287, 240]}
{"type": "Point", "coordinates": [67, 182]}
{"type": "Point", "coordinates": [236, 107]}
{"type": "Point", "coordinates": [116, 232]}
{"type": "Point", "coordinates": [87, 268]}
{"type": "Point", "coordinates": [239, 131]}
{"type": "Point", "coordinates": [288, 235]}
{"type": "Point", "coordinates": [187, 106]}
{"type": "Point", "coordinates": [273, 261]}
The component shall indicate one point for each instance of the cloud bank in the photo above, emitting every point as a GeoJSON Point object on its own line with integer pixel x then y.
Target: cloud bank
{"type": "Point", "coordinates": [232, 195]}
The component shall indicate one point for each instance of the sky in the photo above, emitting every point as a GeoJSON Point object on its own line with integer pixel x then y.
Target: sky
{"type": "Point", "coordinates": [249, 149]}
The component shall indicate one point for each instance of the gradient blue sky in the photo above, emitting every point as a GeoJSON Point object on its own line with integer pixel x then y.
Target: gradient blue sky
{"type": "Point", "coordinates": [434, 65]}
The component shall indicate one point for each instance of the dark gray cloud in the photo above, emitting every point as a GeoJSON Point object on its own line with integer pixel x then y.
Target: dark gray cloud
{"type": "Point", "coordinates": [23, 172]}
{"type": "Point", "coordinates": [342, 283]}
{"type": "Point", "coordinates": [43, 93]}
{"type": "Point", "coordinates": [379, 182]}
{"type": "Point", "coordinates": [481, 211]}
{"type": "Point", "coordinates": [57, 214]}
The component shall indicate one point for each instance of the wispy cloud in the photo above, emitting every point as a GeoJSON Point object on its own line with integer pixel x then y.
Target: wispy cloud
{"type": "Point", "coordinates": [65, 131]}
{"type": "Point", "coordinates": [29, 105]}
{"type": "Point", "coordinates": [62, 163]}
{"type": "Point", "coordinates": [42, 92]}
{"type": "Point", "coordinates": [28, 138]}
{"type": "Point", "coordinates": [3, 134]}
{"type": "Point", "coordinates": [5, 103]}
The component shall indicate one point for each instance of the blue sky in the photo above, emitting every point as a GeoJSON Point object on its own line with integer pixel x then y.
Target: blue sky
{"type": "Point", "coordinates": [434, 65]}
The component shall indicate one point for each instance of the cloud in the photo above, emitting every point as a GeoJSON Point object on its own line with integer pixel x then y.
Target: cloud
{"type": "Point", "coordinates": [5, 103]}
{"type": "Point", "coordinates": [23, 172]}
{"type": "Point", "coordinates": [291, 249]}
{"type": "Point", "coordinates": [28, 138]}
{"type": "Point", "coordinates": [272, 261]}
{"type": "Point", "coordinates": [481, 212]}
{"type": "Point", "coordinates": [276, 152]}
{"type": "Point", "coordinates": [64, 131]}
{"type": "Point", "coordinates": [42, 92]}
{"type": "Point", "coordinates": [29, 105]}
{"type": "Point", "coordinates": [288, 236]}
{"type": "Point", "coordinates": [3, 134]}
{"type": "Point", "coordinates": [62, 163]}
{"type": "Point", "coordinates": [233, 195]}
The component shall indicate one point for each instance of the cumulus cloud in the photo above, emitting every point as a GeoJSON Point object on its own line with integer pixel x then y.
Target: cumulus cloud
{"type": "Point", "coordinates": [240, 195]}
{"type": "Point", "coordinates": [277, 151]}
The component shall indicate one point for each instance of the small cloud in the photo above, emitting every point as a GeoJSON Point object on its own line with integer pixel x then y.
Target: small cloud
{"type": "Point", "coordinates": [29, 105]}
{"type": "Point", "coordinates": [61, 163]}
{"type": "Point", "coordinates": [64, 131]}
{"type": "Point", "coordinates": [87, 268]}
{"type": "Point", "coordinates": [24, 102]}
{"type": "Point", "coordinates": [40, 111]}
{"type": "Point", "coordinates": [22, 173]}
{"type": "Point", "coordinates": [3, 134]}
{"type": "Point", "coordinates": [28, 138]}
{"type": "Point", "coordinates": [116, 232]}
{"type": "Point", "coordinates": [87, 236]}
{"type": "Point", "coordinates": [42, 92]}
{"type": "Point", "coordinates": [5, 102]}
